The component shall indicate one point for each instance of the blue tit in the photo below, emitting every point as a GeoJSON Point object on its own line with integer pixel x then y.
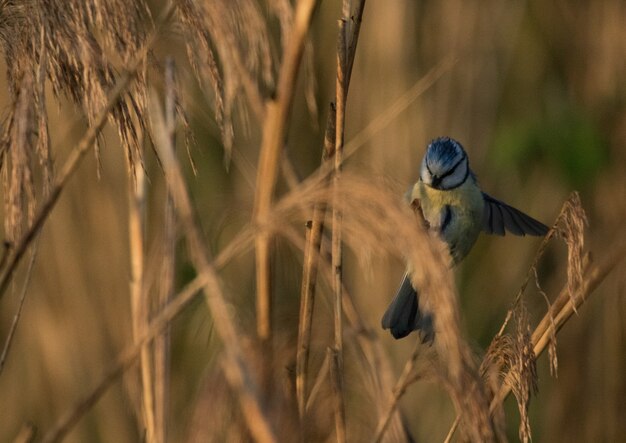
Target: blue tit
{"type": "Point", "coordinates": [453, 206]}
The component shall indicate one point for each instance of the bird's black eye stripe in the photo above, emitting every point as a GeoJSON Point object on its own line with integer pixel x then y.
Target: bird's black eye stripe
{"type": "Point", "coordinates": [451, 171]}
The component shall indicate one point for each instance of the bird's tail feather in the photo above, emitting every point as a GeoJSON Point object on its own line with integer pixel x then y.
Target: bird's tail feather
{"type": "Point", "coordinates": [403, 315]}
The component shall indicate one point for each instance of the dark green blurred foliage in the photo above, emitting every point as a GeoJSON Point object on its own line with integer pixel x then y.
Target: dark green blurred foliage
{"type": "Point", "coordinates": [564, 141]}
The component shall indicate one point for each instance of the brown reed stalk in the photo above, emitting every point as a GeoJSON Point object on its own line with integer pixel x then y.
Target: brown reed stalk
{"type": "Point", "coordinates": [273, 139]}
{"type": "Point", "coordinates": [346, 53]}
{"type": "Point", "coordinates": [336, 358]}
{"type": "Point", "coordinates": [236, 367]}
{"type": "Point", "coordinates": [26, 434]}
{"type": "Point", "coordinates": [313, 242]}
{"type": "Point", "coordinates": [336, 383]}
{"type": "Point", "coordinates": [140, 305]}
{"type": "Point", "coordinates": [18, 313]}
{"type": "Point", "coordinates": [402, 384]}
{"type": "Point", "coordinates": [166, 280]}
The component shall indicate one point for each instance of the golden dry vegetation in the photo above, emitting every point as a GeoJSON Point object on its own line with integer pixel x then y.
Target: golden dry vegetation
{"type": "Point", "coordinates": [203, 220]}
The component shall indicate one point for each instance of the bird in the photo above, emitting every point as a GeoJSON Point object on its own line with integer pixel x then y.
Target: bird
{"type": "Point", "coordinates": [454, 206]}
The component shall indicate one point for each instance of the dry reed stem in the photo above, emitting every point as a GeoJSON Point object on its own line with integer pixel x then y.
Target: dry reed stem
{"type": "Point", "coordinates": [374, 364]}
{"type": "Point", "coordinates": [336, 383]}
{"type": "Point", "coordinates": [18, 313]}
{"type": "Point", "coordinates": [398, 391]}
{"type": "Point", "coordinates": [273, 139]}
{"type": "Point", "coordinates": [26, 434]}
{"type": "Point", "coordinates": [162, 342]}
{"type": "Point", "coordinates": [167, 274]}
{"type": "Point", "coordinates": [307, 303]}
{"type": "Point", "coordinates": [336, 360]}
{"type": "Point", "coordinates": [236, 368]}
{"type": "Point", "coordinates": [346, 53]}
{"type": "Point", "coordinates": [313, 242]}
{"type": "Point", "coordinates": [140, 306]}
{"type": "Point", "coordinates": [318, 383]}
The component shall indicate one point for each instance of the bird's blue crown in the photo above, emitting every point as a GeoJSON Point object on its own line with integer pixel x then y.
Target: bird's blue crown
{"type": "Point", "coordinates": [443, 153]}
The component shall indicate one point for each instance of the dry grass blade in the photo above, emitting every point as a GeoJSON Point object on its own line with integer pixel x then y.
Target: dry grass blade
{"type": "Point", "coordinates": [26, 434]}
{"type": "Point", "coordinates": [16, 318]}
{"type": "Point", "coordinates": [336, 358]}
{"type": "Point", "coordinates": [315, 227]}
{"type": "Point", "coordinates": [140, 304]}
{"type": "Point", "coordinates": [307, 303]}
{"type": "Point", "coordinates": [274, 132]}
{"type": "Point", "coordinates": [336, 382]}
{"type": "Point", "coordinates": [400, 388]}
{"type": "Point", "coordinates": [334, 132]}
{"type": "Point", "coordinates": [167, 277]}
{"type": "Point", "coordinates": [236, 369]}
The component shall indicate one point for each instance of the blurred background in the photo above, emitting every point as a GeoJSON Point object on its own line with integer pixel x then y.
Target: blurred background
{"type": "Point", "coordinates": [535, 92]}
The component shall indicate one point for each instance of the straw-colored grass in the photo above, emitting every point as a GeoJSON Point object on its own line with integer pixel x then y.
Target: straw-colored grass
{"type": "Point", "coordinates": [323, 372]}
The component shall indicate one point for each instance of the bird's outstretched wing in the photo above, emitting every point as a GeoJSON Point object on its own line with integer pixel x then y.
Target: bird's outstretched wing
{"type": "Point", "coordinates": [498, 217]}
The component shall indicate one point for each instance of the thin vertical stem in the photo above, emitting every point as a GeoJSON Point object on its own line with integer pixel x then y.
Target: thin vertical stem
{"type": "Point", "coordinates": [166, 282]}
{"type": "Point", "coordinates": [336, 212]}
{"type": "Point", "coordinates": [400, 388]}
{"type": "Point", "coordinates": [315, 227]}
{"type": "Point", "coordinates": [140, 309]}
{"type": "Point", "coordinates": [346, 54]}
{"type": "Point", "coordinates": [336, 363]}
{"type": "Point", "coordinates": [273, 139]}
{"type": "Point", "coordinates": [162, 342]}
{"type": "Point", "coordinates": [337, 389]}
{"type": "Point", "coordinates": [18, 313]}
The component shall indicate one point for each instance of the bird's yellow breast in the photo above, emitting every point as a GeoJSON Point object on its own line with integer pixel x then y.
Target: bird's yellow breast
{"type": "Point", "coordinates": [466, 205]}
